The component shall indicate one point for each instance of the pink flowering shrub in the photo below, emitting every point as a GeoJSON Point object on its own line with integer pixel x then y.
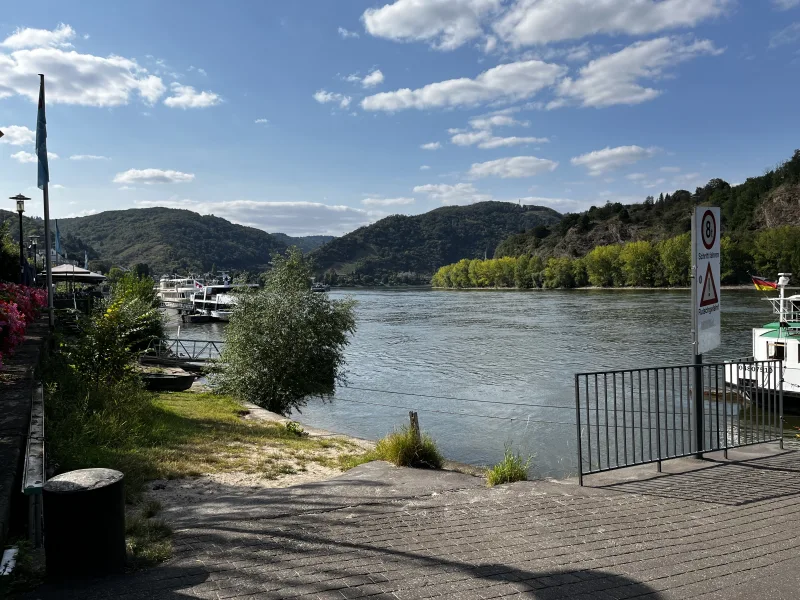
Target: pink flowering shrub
{"type": "Point", "coordinates": [19, 305]}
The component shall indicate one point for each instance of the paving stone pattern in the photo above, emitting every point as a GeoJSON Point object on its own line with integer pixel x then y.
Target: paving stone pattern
{"type": "Point", "coordinates": [709, 529]}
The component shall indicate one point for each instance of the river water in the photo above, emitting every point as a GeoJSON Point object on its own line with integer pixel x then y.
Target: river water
{"type": "Point", "coordinates": [437, 351]}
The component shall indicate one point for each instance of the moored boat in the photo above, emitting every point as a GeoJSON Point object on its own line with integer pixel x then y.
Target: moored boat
{"type": "Point", "coordinates": [217, 301]}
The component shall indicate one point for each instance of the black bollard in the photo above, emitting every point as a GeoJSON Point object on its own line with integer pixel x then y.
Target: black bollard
{"type": "Point", "coordinates": [84, 523]}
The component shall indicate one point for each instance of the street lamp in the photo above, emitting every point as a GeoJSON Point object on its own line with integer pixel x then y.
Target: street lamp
{"type": "Point", "coordinates": [20, 209]}
{"type": "Point", "coordinates": [34, 241]}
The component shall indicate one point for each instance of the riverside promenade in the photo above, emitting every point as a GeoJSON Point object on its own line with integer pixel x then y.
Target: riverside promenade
{"type": "Point", "coordinates": [702, 529]}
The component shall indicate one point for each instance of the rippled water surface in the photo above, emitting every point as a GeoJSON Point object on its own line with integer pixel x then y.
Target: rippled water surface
{"type": "Point", "coordinates": [434, 351]}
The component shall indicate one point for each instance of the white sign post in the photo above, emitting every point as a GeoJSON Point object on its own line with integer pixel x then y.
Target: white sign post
{"type": "Point", "coordinates": [705, 281]}
{"type": "Point", "coordinates": [705, 304]}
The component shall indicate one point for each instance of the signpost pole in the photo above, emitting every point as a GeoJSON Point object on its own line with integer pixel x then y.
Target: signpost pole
{"type": "Point", "coordinates": [697, 359]}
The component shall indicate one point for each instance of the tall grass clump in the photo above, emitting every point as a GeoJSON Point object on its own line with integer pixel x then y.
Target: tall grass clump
{"type": "Point", "coordinates": [512, 468]}
{"type": "Point", "coordinates": [404, 449]}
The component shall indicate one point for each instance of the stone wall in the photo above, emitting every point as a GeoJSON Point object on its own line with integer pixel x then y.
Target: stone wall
{"type": "Point", "coordinates": [16, 388]}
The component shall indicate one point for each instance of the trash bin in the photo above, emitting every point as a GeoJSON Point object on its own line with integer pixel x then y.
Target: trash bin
{"type": "Point", "coordinates": [84, 523]}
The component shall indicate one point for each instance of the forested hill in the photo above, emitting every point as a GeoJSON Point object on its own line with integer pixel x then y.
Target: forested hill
{"type": "Point", "coordinates": [168, 240]}
{"type": "Point", "coordinates": [410, 248]}
{"type": "Point", "coordinates": [767, 201]}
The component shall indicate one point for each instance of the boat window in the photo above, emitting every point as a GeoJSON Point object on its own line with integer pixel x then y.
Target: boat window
{"type": "Point", "coordinates": [776, 351]}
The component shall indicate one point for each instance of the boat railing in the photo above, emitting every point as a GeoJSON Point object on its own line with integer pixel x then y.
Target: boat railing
{"type": "Point", "coordinates": [638, 416]}
{"type": "Point", "coordinates": [188, 350]}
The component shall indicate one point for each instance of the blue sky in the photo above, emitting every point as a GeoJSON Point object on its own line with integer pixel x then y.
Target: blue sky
{"type": "Point", "coordinates": [320, 116]}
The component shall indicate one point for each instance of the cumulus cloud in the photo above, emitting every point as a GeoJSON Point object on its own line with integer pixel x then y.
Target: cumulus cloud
{"type": "Point", "coordinates": [460, 193]}
{"type": "Point", "coordinates": [83, 213]}
{"type": "Point", "coordinates": [424, 168]}
{"type": "Point", "coordinates": [185, 96]}
{"type": "Point", "coordinates": [293, 218]}
{"type": "Point", "coordinates": [72, 77]}
{"type": "Point", "coordinates": [262, 121]}
{"type": "Point", "coordinates": [39, 38]}
{"type": "Point", "coordinates": [152, 176]}
{"type": "Point", "coordinates": [197, 70]}
{"type": "Point", "coordinates": [374, 78]}
{"type": "Point", "coordinates": [387, 201]}
{"type": "Point", "coordinates": [608, 159]}
{"type": "Point", "coordinates": [17, 135]}
{"type": "Point", "coordinates": [482, 135]}
{"type": "Point", "coordinates": [503, 83]}
{"type": "Point", "coordinates": [29, 157]}
{"type": "Point", "coordinates": [324, 97]}
{"type": "Point", "coordinates": [88, 157]}
{"type": "Point", "coordinates": [444, 24]}
{"type": "Point", "coordinates": [344, 33]}
{"type": "Point", "coordinates": [431, 146]}
{"type": "Point", "coordinates": [530, 22]}
{"type": "Point", "coordinates": [512, 167]}
{"type": "Point", "coordinates": [616, 78]}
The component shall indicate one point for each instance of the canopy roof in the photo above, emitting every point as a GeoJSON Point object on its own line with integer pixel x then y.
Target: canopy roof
{"type": "Point", "coordinates": [76, 274]}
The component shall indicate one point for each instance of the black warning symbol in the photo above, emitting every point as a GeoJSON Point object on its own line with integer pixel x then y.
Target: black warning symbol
{"type": "Point", "coordinates": [709, 295]}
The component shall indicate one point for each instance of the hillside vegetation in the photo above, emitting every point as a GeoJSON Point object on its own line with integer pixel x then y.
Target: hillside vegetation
{"type": "Point", "coordinates": [648, 244]}
{"type": "Point", "coordinates": [409, 249]}
{"type": "Point", "coordinates": [168, 240]}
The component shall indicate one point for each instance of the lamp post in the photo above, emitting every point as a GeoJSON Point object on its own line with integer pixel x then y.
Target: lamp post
{"type": "Point", "coordinates": [20, 209]}
{"type": "Point", "coordinates": [34, 241]}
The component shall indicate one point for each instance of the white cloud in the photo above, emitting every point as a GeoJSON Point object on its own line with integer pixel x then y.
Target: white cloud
{"type": "Point", "coordinates": [197, 70]}
{"type": "Point", "coordinates": [785, 4]}
{"type": "Point", "coordinates": [636, 177]}
{"type": "Point", "coordinates": [444, 24]}
{"type": "Point", "coordinates": [387, 201]}
{"type": "Point", "coordinates": [72, 78]}
{"type": "Point", "coordinates": [324, 97]}
{"type": "Point", "coordinates": [670, 169]}
{"type": "Point", "coordinates": [688, 179]}
{"type": "Point", "coordinates": [83, 213]}
{"type": "Point", "coordinates": [424, 168]}
{"type": "Point", "coordinates": [486, 140]}
{"type": "Point", "coordinates": [496, 120]}
{"type": "Point", "coordinates": [127, 188]}
{"type": "Point", "coordinates": [530, 22]}
{"type": "Point", "coordinates": [88, 157]}
{"type": "Point", "coordinates": [607, 159]}
{"type": "Point", "coordinates": [293, 218]}
{"type": "Point", "coordinates": [262, 121]}
{"type": "Point", "coordinates": [460, 193]}
{"type": "Point", "coordinates": [185, 96]}
{"type": "Point", "coordinates": [58, 186]}
{"type": "Point", "coordinates": [17, 135]}
{"type": "Point", "coordinates": [372, 79]}
{"type": "Point", "coordinates": [655, 183]}
{"type": "Point", "coordinates": [151, 176]}
{"type": "Point", "coordinates": [562, 205]}
{"type": "Point", "coordinates": [431, 146]}
{"type": "Point", "coordinates": [786, 36]}
{"type": "Point", "coordinates": [515, 166]}
{"type": "Point", "coordinates": [503, 83]}
{"type": "Point", "coordinates": [615, 78]}
{"type": "Point", "coordinates": [29, 157]}
{"type": "Point", "coordinates": [347, 34]}
{"type": "Point", "coordinates": [40, 38]}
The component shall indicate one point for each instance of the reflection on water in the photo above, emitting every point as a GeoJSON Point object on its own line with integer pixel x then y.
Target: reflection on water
{"type": "Point", "coordinates": [505, 346]}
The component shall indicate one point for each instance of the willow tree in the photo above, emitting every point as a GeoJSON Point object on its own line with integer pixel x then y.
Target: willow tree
{"type": "Point", "coordinates": [284, 343]}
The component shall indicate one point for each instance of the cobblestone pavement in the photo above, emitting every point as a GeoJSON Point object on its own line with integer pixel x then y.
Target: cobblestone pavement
{"type": "Point", "coordinates": [706, 529]}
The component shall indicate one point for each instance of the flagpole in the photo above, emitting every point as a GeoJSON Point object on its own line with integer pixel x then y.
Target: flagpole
{"type": "Point", "coordinates": [46, 196]}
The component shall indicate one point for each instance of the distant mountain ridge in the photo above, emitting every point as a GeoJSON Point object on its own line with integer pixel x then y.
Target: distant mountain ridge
{"type": "Point", "coordinates": [169, 240]}
{"type": "Point", "coordinates": [420, 244]}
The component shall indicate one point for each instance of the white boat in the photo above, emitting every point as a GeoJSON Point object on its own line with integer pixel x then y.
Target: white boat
{"type": "Point", "coordinates": [320, 287]}
{"type": "Point", "coordinates": [177, 292]}
{"type": "Point", "coordinates": [776, 341]}
{"type": "Point", "coordinates": [217, 301]}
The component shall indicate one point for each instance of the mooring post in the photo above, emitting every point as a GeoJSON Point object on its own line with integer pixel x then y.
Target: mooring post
{"type": "Point", "coordinates": [698, 405]}
{"type": "Point", "coordinates": [412, 416]}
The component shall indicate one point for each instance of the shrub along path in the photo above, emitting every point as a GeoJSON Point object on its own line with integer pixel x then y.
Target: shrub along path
{"type": "Point", "coordinates": [711, 529]}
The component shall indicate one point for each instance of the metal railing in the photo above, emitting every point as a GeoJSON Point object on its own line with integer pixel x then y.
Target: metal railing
{"type": "Point", "coordinates": [189, 350]}
{"type": "Point", "coordinates": [638, 416]}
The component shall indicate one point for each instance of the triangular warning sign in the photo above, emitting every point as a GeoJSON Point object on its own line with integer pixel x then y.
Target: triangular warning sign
{"type": "Point", "coordinates": [709, 295]}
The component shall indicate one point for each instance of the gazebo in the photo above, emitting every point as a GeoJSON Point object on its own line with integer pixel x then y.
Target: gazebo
{"type": "Point", "coordinates": [73, 274]}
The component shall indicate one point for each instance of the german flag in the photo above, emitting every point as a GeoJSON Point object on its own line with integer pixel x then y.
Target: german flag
{"type": "Point", "coordinates": [762, 284]}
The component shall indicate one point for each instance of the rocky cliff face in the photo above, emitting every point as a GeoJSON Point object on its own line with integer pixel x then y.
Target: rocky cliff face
{"type": "Point", "coordinates": [782, 207]}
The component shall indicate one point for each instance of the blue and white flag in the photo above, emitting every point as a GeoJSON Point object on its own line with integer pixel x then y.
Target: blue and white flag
{"type": "Point", "coordinates": [58, 241]}
{"type": "Point", "coordinates": [41, 142]}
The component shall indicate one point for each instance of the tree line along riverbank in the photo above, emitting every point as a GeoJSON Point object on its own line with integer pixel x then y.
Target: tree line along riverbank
{"type": "Point", "coordinates": [642, 264]}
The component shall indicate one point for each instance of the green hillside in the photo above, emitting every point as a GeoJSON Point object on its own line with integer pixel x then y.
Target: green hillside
{"type": "Point", "coordinates": [409, 249]}
{"type": "Point", "coordinates": [306, 243]}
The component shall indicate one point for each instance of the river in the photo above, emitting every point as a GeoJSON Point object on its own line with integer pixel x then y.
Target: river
{"type": "Point", "coordinates": [433, 351]}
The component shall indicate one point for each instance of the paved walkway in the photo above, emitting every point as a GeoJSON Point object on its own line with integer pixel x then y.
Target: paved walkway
{"type": "Point", "coordinates": [703, 529]}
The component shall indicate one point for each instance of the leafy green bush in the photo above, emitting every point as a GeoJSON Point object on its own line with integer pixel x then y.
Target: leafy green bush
{"type": "Point", "coordinates": [403, 449]}
{"type": "Point", "coordinates": [512, 468]}
{"type": "Point", "coordinates": [284, 343]}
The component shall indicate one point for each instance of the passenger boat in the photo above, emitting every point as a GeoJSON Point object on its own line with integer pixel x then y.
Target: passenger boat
{"type": "Point", "coordinates": [217, 301]}
{"type": "Point", "coordinates": [776, 341]}
{"type": "Point", "coordinates": [320, 287]}
{"type": "Point", "coordinates": [177, 292]}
